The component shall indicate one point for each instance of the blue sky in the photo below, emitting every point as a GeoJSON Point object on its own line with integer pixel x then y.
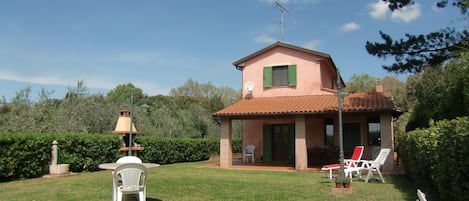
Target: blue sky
{"type": "Point", "coordinates": [159, 44]}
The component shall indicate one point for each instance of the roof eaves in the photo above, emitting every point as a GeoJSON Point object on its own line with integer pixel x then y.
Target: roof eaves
{"type": "Point", "coordinates": [279, 43]}
{"type": "Point", "coordinates": [241, 62]}
{"type": "Point", "coordinates": [256, 53]}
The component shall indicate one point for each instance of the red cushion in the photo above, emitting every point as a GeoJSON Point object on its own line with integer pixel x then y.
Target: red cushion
{"type": "Point", "coordinates": [331, 166]}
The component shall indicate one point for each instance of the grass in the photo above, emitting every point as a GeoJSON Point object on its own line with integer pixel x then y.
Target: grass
{"type": "Point", "coordinates": [193, 181]}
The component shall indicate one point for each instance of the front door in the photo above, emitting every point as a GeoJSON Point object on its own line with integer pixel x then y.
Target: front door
{"type": "Point", "coordinates": [279, 142]}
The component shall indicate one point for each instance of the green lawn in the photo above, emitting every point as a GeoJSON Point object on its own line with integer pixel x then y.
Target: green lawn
{"type": "Point", "coordinates": [193, 181]}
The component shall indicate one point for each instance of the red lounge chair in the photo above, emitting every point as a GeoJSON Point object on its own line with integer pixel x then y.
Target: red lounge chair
{"type": "Point", "coordinates": [348, 163]}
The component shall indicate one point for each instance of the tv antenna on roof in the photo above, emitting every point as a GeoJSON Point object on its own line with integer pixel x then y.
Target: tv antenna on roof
{"type": "Point", "coordinates": [282, 10]}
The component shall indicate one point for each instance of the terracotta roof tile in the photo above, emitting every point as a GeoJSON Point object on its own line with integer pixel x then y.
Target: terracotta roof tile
{"type": "Point", "coordinates": [357, 102]}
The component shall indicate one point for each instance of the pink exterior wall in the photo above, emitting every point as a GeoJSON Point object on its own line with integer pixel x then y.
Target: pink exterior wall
{"type": "Point", "coordinates": [310, 68]}
{"type": "Point", "coordinates": [315, 76]}
{"type": "Point", "coordinates": [253, 133]}
{"type": "Point", "coordinates": [314, 132]}
{"type": "Point", "coordinates": [328, 76]}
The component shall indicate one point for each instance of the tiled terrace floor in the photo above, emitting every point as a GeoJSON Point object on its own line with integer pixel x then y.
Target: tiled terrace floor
{"type": "Point", "coordinates": [238, 164]}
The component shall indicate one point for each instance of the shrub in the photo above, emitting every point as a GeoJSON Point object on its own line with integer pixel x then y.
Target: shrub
{"type": "Point", "coordinates": [29, 155]}
{"type": "Point", "coordinates": [436, 158]}
{"type": "Point", "coordinates": [451, 173]}
{"type": "Point", "coordinates": [84, 152]}
{"type": "Point", "coordinates": [172, 150]}
{"type": "Point", "coordinates": [237, 145]}
{"type": "Point", "coordinates": [23, 156]}
{"type": "Point", "coordinates": [417, 149]}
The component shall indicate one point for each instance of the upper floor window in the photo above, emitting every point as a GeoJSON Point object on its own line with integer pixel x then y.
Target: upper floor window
{"type": "Point", "coordinates": [278, 76]}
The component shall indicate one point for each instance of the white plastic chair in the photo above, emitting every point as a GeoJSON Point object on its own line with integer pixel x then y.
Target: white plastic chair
{"type": "Point", "coordinates": [122, 160]}
{"type": "Point", "coordinates": [374, 165]}
{"type": "Point", "coordinates": [249, 152]}
{"type": "Point", "coordinates": [129, 159]}
{"type": "Point", "coordinates": [130, 178]}
{"type": "Point", "coordinates": [421, 196]}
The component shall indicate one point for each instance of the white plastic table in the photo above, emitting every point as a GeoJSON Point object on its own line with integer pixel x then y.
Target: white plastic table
{"type": "Point", "coordinates": [113, 166]}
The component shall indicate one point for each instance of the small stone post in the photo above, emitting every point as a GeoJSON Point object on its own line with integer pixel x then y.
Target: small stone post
{"type": "Point", "coordinates": [54, 168]}
{"type": "Point", "coordinates": [54, 153]}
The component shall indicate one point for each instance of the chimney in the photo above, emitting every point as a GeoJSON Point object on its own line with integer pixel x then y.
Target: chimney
{"type": "Point", "coordinates": [379, 86]}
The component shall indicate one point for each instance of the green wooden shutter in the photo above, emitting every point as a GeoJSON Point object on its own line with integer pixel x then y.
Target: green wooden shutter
{"type": "Point", "coordinates": [292, 75]}
{"type": "Point", "coordinates": [267, 143]}
{"type": "Point", "coordinates": [268, 76]}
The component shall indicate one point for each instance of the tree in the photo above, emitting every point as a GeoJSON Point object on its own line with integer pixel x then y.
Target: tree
{"type": "Point", "coordinates": [361, 83]}
{"type": "Point", "coordinates": [392, 85]}
{"type": "Point", "coordinates": [457, 89]}
{"type": "Point", "coordinates": [43, 112]}
{"type": "Point", "coordinates": [417, 52]}
{"type": "Point", "coordinates": [192, 88]}
{"type": "Point", "coordinates": [121, 94]}
{"type": "Point", "coordinates": [398, 4]}
{"type": "Point", "coordinates": [83, 113]}
{"type": "Point", "coordinates": [424, 92]}
{"type": "Point", "coordinates": [207, 95]}
{"type": "Point", "coordinates": [439, 93]}
{"type": "Point", "coordinates": [19, 114]}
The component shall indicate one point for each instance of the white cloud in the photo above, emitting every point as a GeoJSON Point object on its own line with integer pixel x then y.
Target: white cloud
{"type": "Point", "coordinates": [312, 45]}
{"type": "Point", "coordinates": [98, 82]}
{"type": "Point", "coordinates": [263, 35]}
{"type": "Point", "coordinates": [378, 9]}
{"type": "Point", "coordinates": [93, 81]}
{"type": "Point", "coordinates": [37, 79]}
{"type": "Point", "coordinates": [265, 39]}
{"type": "Point", "coordinates": [61, 80]}
{"type": "Point", "coordinates": [150, 88]}
{"type": "Point", "coordinates": [408, 13]}
{"type": "Point", "coordinates": [351, 26]}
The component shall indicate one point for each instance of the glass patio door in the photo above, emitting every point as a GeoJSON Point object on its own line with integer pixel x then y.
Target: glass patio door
{"type": "Point", "coordinates": [352, 137]}
{"type": "Point", "coordinates": [279, 143]}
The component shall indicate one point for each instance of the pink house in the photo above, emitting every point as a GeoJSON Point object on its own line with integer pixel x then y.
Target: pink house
{"type": "Point", "coordinates": [289, 111]}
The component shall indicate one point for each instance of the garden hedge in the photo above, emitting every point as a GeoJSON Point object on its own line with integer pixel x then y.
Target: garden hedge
{"type": "Point", "coordinates": [172, 150]}
{"type": "Point", "coordinates": [28, 155]}
{"type": "Point", "coordinates": [436, 158]}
